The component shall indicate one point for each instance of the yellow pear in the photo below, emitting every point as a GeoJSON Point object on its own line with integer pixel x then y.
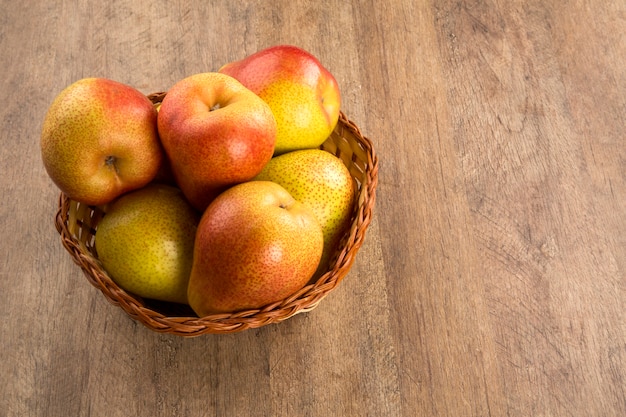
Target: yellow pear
{"type": "Point", "coordinates": [145, 242]}
{"type": "Point", "coordinates": [322, 182]}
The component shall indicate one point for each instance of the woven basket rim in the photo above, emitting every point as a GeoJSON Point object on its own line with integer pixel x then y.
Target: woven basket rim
{"type": "Point", "coordinates": [190, 326]}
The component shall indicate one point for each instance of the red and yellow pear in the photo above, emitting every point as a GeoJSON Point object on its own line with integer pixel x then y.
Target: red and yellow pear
{"type": "Point", "coordinates": [320, 181]}
{"type": "Point", "coordinates": [99, 140]}
{"type": "Point", "coordinates": [216, 133]}
{"type": "Point", "coordinates": [255, 245]}
{"type": "Point", "coordinates": [302, 93]}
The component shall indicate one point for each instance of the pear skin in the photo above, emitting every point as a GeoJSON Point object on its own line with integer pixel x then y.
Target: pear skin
{"type": "Point", "coordinates": [255, 245]}
{"type": "Point", "coordinates": [322, 182]}
{"type": "Point", "coordinates": [145, 242]}
{"type": "Point", "coordinates": [303, 95]}
{"type": "Point", "coordinates": [216, 133]}
{"type": "Point", "coordinates": [99, 140]}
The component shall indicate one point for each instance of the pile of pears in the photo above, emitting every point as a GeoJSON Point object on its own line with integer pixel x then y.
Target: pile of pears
{"type": "Point", "coordinates": [220, 196]}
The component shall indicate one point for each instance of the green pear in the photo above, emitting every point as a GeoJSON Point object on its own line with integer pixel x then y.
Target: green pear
{"type": "Point", "coordinates": [145, 242]}
{"type": "Point", "coordinates": [322, 182]}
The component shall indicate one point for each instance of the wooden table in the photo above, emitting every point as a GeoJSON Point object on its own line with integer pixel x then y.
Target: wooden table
{"type": "Point", "coordinates": [492, 278]}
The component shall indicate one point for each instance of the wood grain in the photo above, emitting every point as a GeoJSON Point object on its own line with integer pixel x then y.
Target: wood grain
{"type": "Point", "coordinates": [493, 278]}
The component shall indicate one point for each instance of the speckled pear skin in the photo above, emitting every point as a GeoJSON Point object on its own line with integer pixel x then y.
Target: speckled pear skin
{"type": "Point", "coordinates": [99, 140]}
{"type": "Point", "coordinates": [303, 95]}
{"type": "Point", "coordinates": [216, 133]}
{"type": "Point", "coordinates": [145, 242]}
{"type": "Point", "coordinates": [322, 182]}
{"type": "Point", "coordinates": [255, 245]}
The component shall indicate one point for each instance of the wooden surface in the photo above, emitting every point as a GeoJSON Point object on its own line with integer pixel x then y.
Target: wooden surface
{"type": "Point", "coordinates": [492, 279]}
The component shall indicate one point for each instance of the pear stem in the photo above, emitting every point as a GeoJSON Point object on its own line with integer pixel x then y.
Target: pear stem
{"type": "Point", "coordinates": [109, 161]}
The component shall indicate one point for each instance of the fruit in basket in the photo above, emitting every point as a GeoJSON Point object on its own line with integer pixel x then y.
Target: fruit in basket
{"type": "Point", "coordinates": [255, 245]}
{"type": "Point", "coordinates": [99, 140]}
{"type": "Point", "coordinates": [216, 133]}
{"type": "Point", "coordinates": [145, 242]}
{"type": "Point", "coordinates": [322, 182]}
{"type": "Point", "coordinates": [303, 95]}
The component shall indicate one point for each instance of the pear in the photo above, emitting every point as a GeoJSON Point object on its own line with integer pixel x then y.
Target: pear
{"type": "Point", "coordinates": [145, 242]}
{"type": "Point", "coordinates": [322, 182]}
{"type": "Point", "coordinates": [216, 133]}
{"type": "Point", "coordinates": [302, 94]}
{"type": "Point", "coordinates": [99, 140]}
{"type": "Point", "coordinates": [255, 245]}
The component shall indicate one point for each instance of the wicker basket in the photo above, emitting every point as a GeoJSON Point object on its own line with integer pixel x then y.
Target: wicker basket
{"type": "Point", "coordinates": [77, 224]}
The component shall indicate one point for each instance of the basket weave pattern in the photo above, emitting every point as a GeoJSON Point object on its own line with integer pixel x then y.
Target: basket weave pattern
{"type": "Point", "coordinates": [77, 224]}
